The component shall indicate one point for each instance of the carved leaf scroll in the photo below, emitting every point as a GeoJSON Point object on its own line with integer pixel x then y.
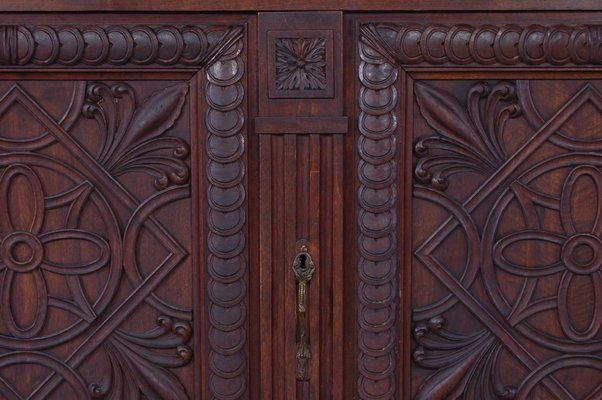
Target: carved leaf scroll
{"type": "Point", "coordinates": [134, 138]}
{"type": "Point", "coordinates": [471, 136]}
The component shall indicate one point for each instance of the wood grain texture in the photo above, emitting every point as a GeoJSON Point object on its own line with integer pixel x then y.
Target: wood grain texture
{"type": "Point", "coordinates": [88, 257]}
{"type": "Point", "coordinates": [124, 303]}
{"type": "Point", "coordinates": [500, 289]}
{"type": "Point", "coordinates": [301, 125]}
{"type": "Point", "coordinates": [290, 5]}
{"type": "Point", "coordinates": [527, 222]}
{"type": "Point", "coordinates": [300, 203]}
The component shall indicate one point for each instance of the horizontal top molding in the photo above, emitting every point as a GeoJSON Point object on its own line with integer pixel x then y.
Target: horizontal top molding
{"type": "Point", "coordinates": [117, 45]}
{"type": "Point", "coordinates": [462, 44]}
{"type": "Point", "coordinates": [295, 5]}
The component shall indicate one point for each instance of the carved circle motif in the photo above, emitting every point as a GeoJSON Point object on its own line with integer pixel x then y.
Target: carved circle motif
{"type": "Point", "coordinates": [15, 263]}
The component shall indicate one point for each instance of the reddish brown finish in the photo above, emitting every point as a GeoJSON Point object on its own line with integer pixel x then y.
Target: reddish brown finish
{"type": "Point", "coordinates": [300, 125]}
{"type": "Point", "coordinates": [442, 169]}
{"type": "Point", "coordinates": [300, 203]}
{"type": "Point", "coordinates": [504, 197]}
{"type": "Point", "coordinates": [111, 198]}
{"type": "Point", "coordinates": [300, 199]}
{"type": "Point", "coordinates": [300, 59]}
{"type": "Point", "coordinates": [294, 5]}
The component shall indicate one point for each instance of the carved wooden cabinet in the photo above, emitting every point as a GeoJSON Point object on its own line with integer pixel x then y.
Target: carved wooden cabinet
{"type": "Point", "coordinates": [261, 203]}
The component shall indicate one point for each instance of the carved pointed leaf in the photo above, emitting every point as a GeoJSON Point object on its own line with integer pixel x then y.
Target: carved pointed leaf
{"type": "Point", "coordinates": [156, 115]}
{"type": "Point", "coordinates": [154, 381]}
{"type": "Point", "coordinates": [446, 381]}
{"type": "Point", "coordinates": [448, 117]}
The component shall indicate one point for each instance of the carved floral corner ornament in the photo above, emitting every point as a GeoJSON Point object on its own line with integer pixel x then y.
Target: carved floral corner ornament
{"type": "Point", "coordinates": [300, 64]}
{"type": "Point", "coordinates": [47, 250]}
{"type": "Point", "coordinates": [470, 138]}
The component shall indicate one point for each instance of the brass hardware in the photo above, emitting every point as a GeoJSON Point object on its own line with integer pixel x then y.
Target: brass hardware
{"type": "Point", "coordinates": [304, 268]}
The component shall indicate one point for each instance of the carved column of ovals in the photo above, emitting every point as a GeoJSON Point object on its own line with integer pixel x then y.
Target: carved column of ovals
{"type": "Point", "coordinates": [95, 45]}
{"type": "Point", "coordinates": [377, 220]}
{"type": "Point", "coordinates": [226, 220]}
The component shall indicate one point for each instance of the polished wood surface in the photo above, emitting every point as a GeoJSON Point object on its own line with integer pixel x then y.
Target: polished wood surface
{"type": "Point", "coordinates": [496, 248]}
{"type": "Point", "coordinates": [165, 179]}
{"type": "Point", "coordinates": [293, 5]}
{"type": "Point", "coordinates": [112, 287]}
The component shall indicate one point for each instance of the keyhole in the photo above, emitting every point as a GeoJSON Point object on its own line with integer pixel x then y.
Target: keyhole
{"type": "Point", "coordinates": [302, 259]}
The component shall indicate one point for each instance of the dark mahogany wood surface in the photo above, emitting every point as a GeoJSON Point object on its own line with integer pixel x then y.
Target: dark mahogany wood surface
{"type": "Point", "coordinates": [164, 176]}
{"type": "Point", "coordinates": [124, 246]}
{"type": "Point", "coordinates": [294, 5]}
{"type": "Point", "coordinates": [487, 208]}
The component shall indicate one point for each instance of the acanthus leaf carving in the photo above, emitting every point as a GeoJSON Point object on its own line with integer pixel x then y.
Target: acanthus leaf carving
{"type": "Point", "coordinates": [143, 356]}
{"type": "Point", "coordinates": [133, 134]}
{"type": "Point", "coordinates": [470, 137]}
{"type": "Point", "coordinates": [466, 364]}
{"type": "Point", "coordinates": [539, 241]}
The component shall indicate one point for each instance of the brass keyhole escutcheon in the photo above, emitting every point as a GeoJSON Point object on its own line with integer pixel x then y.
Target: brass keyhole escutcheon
{"type": "Point", "coordinates": [304, 268]}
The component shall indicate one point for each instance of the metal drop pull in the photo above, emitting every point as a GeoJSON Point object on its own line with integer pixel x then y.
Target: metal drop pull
{"type": "Point", "coordinates": [304, 268]}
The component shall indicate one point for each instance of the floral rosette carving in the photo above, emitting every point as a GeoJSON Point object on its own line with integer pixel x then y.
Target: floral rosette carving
{"type": "Point", "coordinates": [301, 64]}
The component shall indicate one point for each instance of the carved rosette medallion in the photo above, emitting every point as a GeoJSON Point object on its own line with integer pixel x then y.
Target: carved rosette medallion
{"type": "Point", "coordinates": [300, 64]}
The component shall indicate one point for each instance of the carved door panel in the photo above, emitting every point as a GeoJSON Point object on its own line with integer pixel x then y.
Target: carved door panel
{"type": "Point", "coordinates": [479, 192]}
{"type": "Point", "coordinates": [311, 205]}
{"type": "Point", "coordinates": [122, 175]}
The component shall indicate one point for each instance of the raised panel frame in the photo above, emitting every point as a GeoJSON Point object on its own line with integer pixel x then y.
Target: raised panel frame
{"type": "Point", "coordinates": [209, 55]}
{"type": "Point", "coordinates": [394, 55]}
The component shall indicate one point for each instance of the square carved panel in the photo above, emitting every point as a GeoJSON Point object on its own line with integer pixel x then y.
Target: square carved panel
{"type": "Point", "coordinates": [301, 64]}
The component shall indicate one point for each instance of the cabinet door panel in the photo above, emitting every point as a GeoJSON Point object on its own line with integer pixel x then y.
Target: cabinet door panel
{"type": "Point", "coordinates": [122, 191]}
{"type": "Point", "coordinates": [479, 159]}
